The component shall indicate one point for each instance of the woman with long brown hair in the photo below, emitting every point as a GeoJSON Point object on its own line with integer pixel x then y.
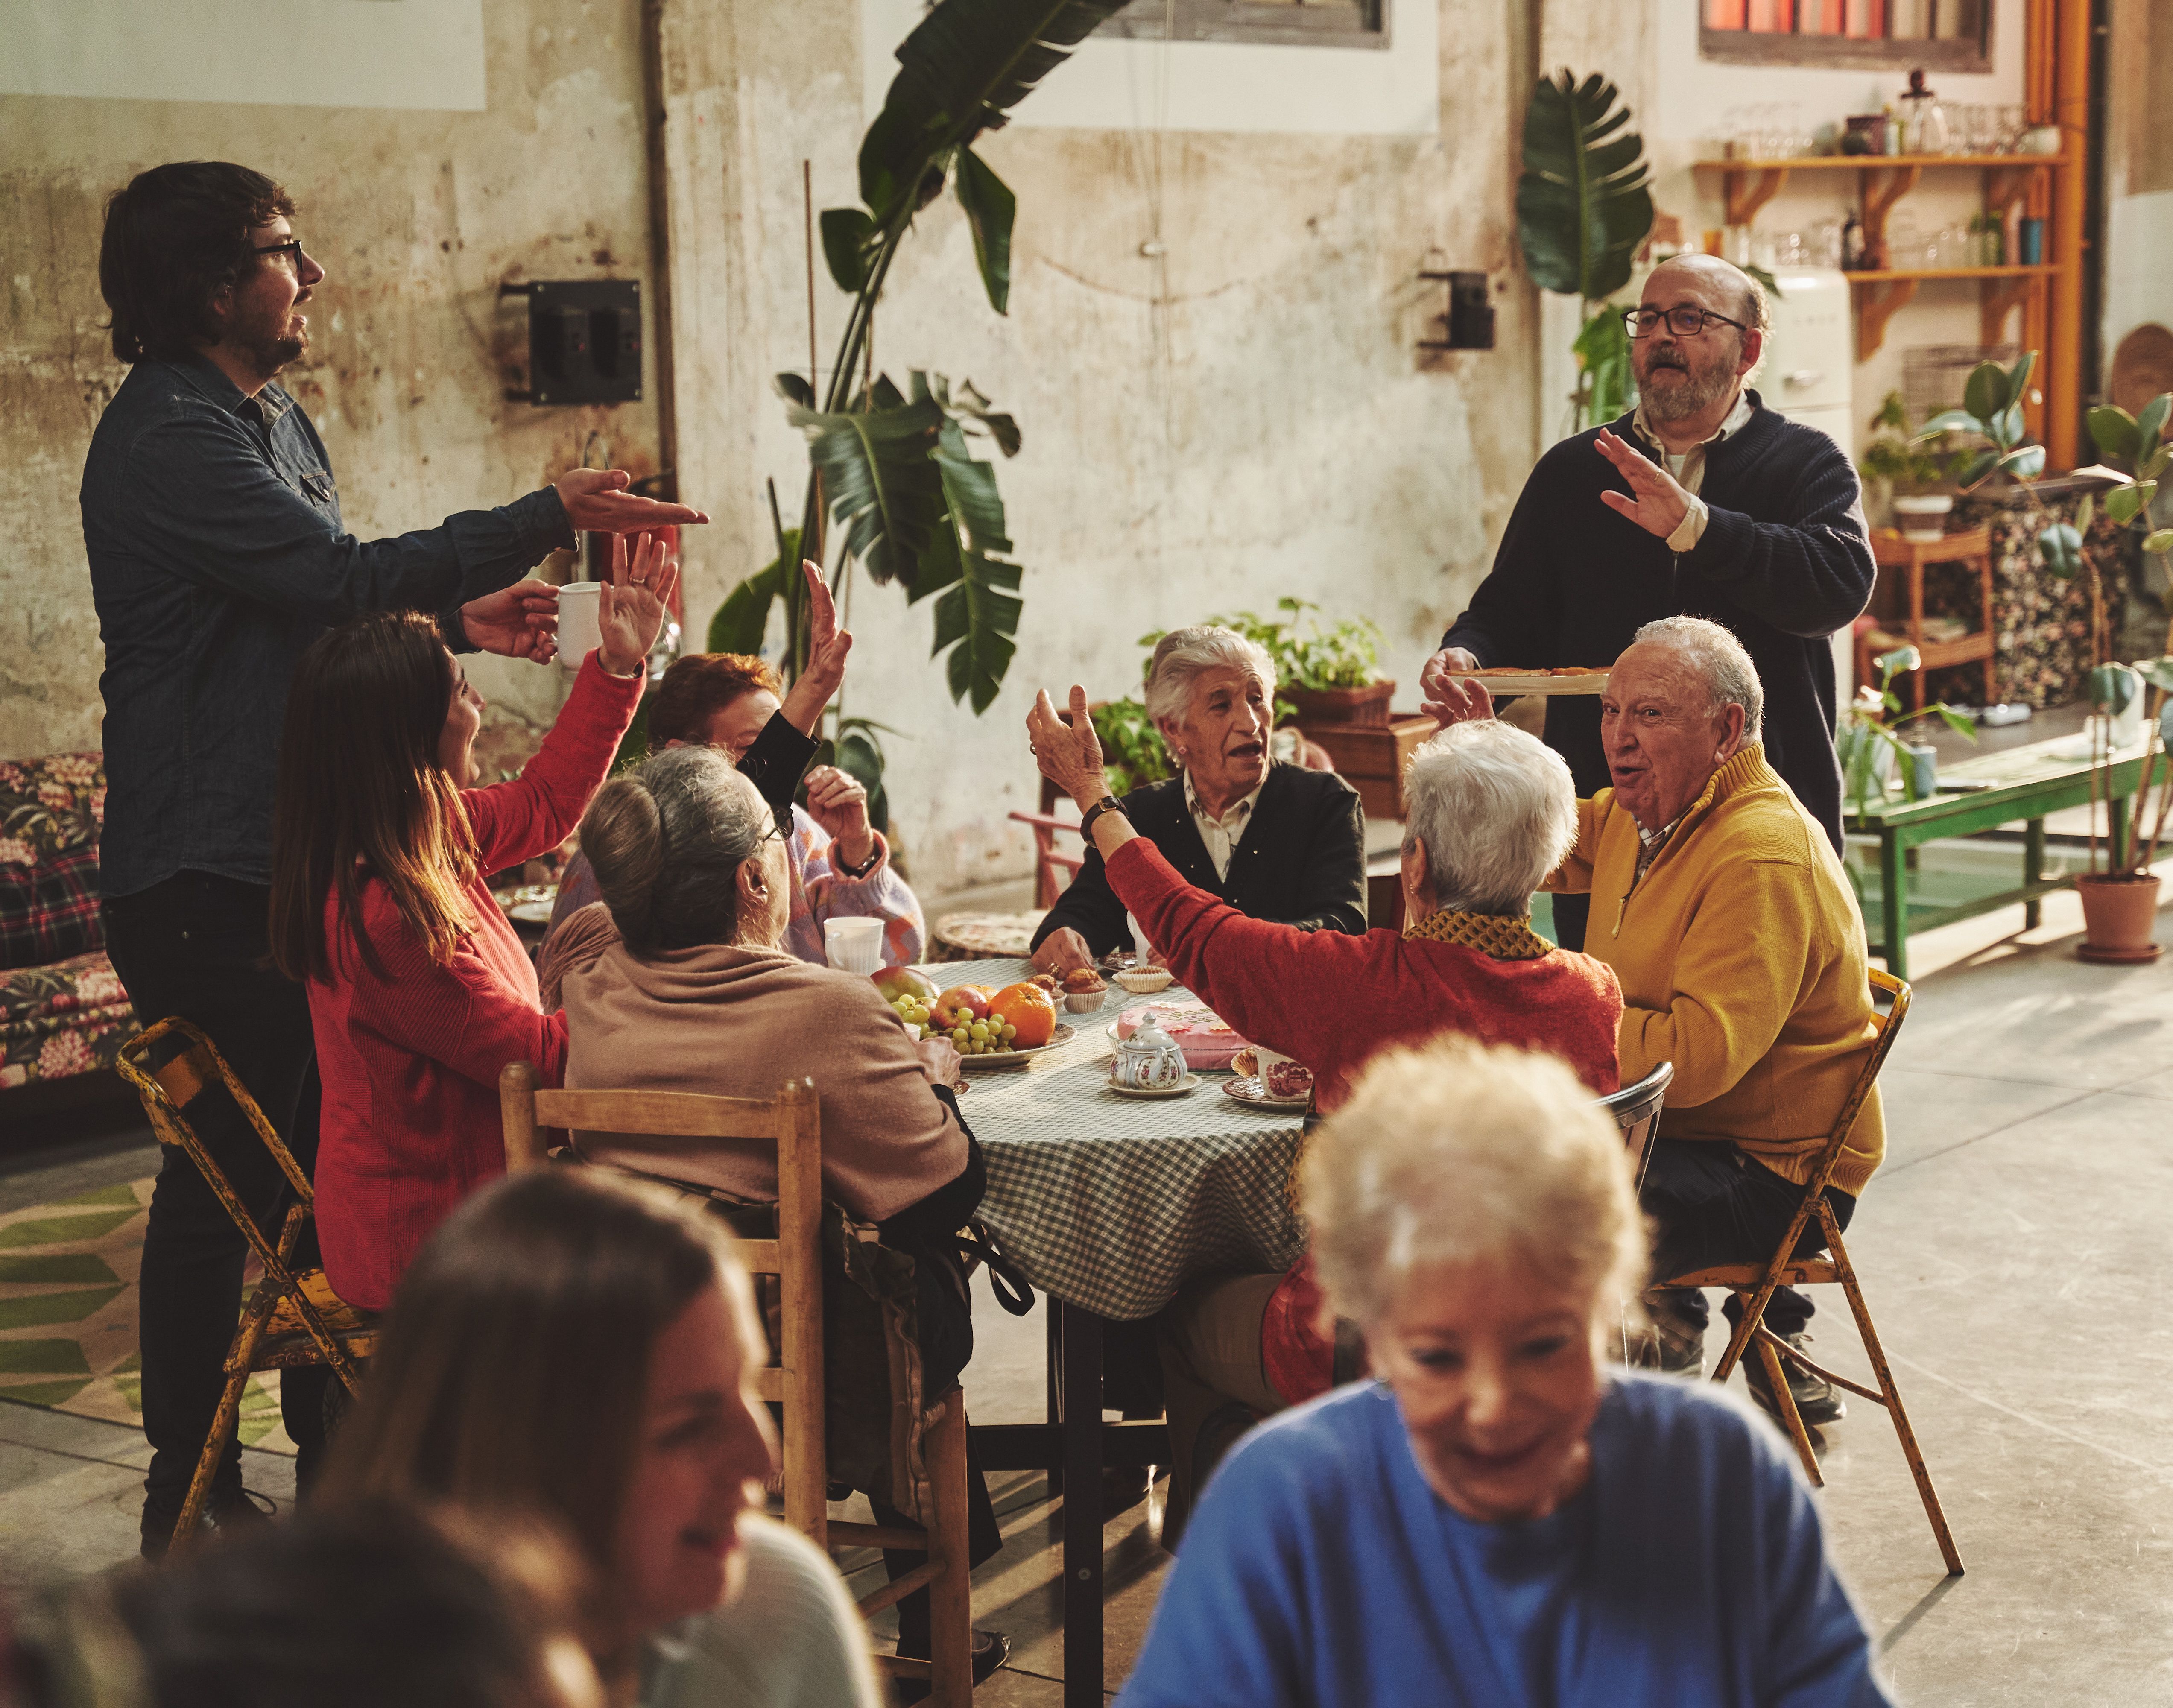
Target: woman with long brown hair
{"type": "Point", "coordinates": [581, 1351]}
{"type": "Point", "coordinates": [381, 849]}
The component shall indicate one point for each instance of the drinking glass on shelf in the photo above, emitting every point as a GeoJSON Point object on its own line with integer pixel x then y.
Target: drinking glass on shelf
{"type": "Point", "coordinates": [2014, 120]}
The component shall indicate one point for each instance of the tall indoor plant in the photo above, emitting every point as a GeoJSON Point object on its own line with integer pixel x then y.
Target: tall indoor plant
{"type": "Point", "coordinates": [1584, 207]}
{"type": "Point", "coordinates": [895, 469]}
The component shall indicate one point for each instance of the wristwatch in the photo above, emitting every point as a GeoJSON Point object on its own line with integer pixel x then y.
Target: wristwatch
{"type": "Point", "coordinates": [1108, 803]}
{"type": "Point", "coordinates": [865, 866]}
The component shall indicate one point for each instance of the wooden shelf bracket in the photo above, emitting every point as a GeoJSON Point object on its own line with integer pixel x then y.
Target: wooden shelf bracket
{"type": "Point", "coordinates": [1746, 197]}
{"type": "Point", "coordinates": [2001, 295]}
{"type": "Point", "coordinates": [1883, 186]}
{"type": "Point", "coordinates": [1877, 306]}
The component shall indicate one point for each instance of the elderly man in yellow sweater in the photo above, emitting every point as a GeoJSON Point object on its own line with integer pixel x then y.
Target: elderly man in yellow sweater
{"type": "Point", "coordinates": [1719, 901]}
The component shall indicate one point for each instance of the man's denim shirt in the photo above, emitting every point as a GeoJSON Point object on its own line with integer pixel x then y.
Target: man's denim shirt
{"type": "Point", "coordinates": [212, 525]}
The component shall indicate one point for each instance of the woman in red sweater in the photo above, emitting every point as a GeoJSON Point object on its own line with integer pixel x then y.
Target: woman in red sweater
{"type": "Point", "coordinates": [1489, 818]}
{"type": "Point", "coordinates": [381, 850]}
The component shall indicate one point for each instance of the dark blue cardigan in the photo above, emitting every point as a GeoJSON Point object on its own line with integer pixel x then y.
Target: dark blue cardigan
{"type": "Point", "coordinates": [1784, 561]}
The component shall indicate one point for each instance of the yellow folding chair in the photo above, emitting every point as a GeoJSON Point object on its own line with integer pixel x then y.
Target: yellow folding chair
{"type": "Point", "coordinates": [294, 1319]}
{"type": "Point", "coordinates": [1753, 1285]}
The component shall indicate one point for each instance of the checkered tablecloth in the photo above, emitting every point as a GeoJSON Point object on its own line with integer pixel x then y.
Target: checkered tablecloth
{"type": "Point", "coordinates": [1111, 1203]}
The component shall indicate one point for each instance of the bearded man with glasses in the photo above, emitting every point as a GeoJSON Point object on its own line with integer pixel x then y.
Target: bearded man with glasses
{"type": "Point", "coordinates": [217, 554]}
{"type": "Point", "coordinates": [1700, 502]}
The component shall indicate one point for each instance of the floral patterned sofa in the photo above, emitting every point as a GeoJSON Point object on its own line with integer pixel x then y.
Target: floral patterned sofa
{"type": "Point", "coordinates": [62, 1010]}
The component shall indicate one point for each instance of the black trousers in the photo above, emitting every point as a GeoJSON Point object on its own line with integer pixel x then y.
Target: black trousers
{"type": "Point", "coordinates": [197, 945]}
{"type": "Point", "coordinates": [1714, 1205]}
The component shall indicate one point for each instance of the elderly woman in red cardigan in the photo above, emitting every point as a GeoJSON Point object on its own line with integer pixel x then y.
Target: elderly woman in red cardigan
{"type": "Point", "coordinates": [381, 852]}
{"type": "Point", "coordinates": [1490, 816]}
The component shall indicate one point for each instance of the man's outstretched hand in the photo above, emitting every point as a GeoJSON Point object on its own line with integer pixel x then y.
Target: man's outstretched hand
{"type": "Point", "coordinates": [517, 622]}
{"type": "Point", "coordinates": [1658, 503]}
{"type": "Point", "coordinates": [597, 502]}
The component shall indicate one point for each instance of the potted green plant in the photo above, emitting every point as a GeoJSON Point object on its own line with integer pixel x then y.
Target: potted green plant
{"type": "Point", "coordinates": [1919, 480]}
{"type": "Point", "coordinates": [1323, 676]}
{"type": "Point", "coordinates": [1132, 749]}
{"type": "Point", "coordinates": [1868, 740]}
{"type": "Point", "coordinates": [2119, 898]}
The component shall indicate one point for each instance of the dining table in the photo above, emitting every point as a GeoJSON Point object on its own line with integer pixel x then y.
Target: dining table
{"type": "Point", "coordinates": [1108, 1203]}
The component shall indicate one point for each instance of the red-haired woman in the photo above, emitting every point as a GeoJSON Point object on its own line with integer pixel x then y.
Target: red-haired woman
{"type": "Point", "coordinates": [419, 992]}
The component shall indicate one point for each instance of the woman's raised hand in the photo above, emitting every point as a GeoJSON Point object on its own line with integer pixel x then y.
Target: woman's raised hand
{"type": "Point", "coordinates": [828, 644]}
{"type": "Point", "coordinates": [1069, 755]}
{"type": "Point", "coordinates": [631, 609]}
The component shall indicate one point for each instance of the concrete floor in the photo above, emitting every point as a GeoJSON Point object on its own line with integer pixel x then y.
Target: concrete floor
{"type": "Point", "coordinates": [2013, 1249]}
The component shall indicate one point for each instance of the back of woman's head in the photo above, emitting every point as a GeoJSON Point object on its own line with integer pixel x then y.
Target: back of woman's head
{"type": "Point", "coordinates": [1458, 1152]}
{"type": "Point", "coordinates": [510, 1370]}
{"type": "Point", "coordinates": [359, 779]}
{"type": "Point", "coordinates": [373, 1605]}
{"type": "Point", "coordinates": [665, 841]}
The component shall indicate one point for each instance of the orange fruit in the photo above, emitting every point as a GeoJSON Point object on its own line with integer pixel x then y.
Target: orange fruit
{"type": "Point", "coordinates": [1027, 1007]}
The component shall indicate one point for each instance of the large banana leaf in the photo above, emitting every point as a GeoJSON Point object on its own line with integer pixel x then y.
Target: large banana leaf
{"type": "Point", "coordinates": [963, 68]}
{"type": "Point", "coordinates": [743, 618]}
{"type": "Point", "coordinates": [883, 488]}
{"type": "Point", "coordinates": [977, 618]}
{"type": "Point", "coordinates": [1582, 203]}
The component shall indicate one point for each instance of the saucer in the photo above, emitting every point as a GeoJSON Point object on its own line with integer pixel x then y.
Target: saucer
{"type": "Point", "coordinates": [1183, 1088]}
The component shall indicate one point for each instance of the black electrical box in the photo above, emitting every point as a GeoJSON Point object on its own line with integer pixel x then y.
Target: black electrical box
{"type": "Point", "coordinates": [584, 339]}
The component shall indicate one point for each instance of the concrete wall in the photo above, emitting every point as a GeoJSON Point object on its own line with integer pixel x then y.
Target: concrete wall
{"type": "Point", "coordinates": [1244, 417]}
{"type": "Point", "coordinates": [418, 216]}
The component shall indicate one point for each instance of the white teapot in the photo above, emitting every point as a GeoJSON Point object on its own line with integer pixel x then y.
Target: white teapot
{"type": "Point", "coordinates": [1149, 1061]}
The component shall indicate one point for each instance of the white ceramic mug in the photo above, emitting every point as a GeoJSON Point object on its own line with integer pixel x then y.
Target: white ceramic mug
{"type": "Point", "coordinates": [854, 945]}
{"type": "Point", "coordinates": [578, 634]}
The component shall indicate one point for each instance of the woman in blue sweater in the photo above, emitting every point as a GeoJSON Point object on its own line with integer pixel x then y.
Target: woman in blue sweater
{"type": "Point", "coordinates": [1499, 1519]}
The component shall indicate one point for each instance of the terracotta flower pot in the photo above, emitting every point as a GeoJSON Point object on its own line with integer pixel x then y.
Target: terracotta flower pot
{"type": "Point", "coordinates": [2120, 916]}
{"type": "Point", "coordinates": [1366, 705]}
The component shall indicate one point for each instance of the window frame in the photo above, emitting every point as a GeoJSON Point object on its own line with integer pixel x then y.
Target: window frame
{"type": "Point", "coordinates": [1959, 55]}
{"type": "Point", "coordinates": [1259, 23]}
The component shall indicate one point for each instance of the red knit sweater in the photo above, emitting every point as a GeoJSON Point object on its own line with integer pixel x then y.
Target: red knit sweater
{"type": "Point", "coordinates": [410, 1062]}
{"type": "Point", "coordinates": [1333, 1002]}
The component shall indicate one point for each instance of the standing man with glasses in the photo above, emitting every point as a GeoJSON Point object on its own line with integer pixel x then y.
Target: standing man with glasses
{"type": "Point", "coordinates": [212, 523]}
{"type": "Point", "coordinates": [1702, 502]}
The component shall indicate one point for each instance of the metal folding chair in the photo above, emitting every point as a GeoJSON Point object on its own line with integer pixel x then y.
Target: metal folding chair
{"type": "Point", "coordinates": [294, 1319]}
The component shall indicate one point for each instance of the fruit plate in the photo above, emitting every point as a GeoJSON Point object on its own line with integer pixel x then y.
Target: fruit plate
{"type": "Point", "coordinates": [1183, 1088]}
{"type": "Point", "coordinates": [1253, 1093]}
{"type": "Point", "coordinates": [1562, 681]}
{"type": "Point", "coordinates": [1016, 1059]}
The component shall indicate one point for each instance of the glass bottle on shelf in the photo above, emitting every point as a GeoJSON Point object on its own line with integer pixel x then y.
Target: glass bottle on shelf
{"type": "Point", "coordinates": [1925, 125]}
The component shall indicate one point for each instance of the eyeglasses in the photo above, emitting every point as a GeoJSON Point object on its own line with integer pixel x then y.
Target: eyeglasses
{"type": "Point", "coordinates": [780, 824]}
{"type": "Point", "coordinates": [293, 247]}
{"type": "Point", "coordinates": [1685, 320]}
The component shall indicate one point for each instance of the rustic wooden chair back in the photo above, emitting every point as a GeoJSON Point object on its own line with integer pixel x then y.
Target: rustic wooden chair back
{"type": "Point", "coordinates": [1753, 1285]}
{"type": "Point", "coordinates": [164, 1092]}
{"type": "Point", "coordinates": [793, 1121]}
{"type": "Point", "coordinates": [1637, 1110]}
{"type": "Point", "coordinates": [1047, 860]}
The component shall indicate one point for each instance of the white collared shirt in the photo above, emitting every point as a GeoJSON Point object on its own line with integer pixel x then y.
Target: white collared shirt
{"type": "Point", "coordinates": [1221, 836]}
{"type": "Point", "coordinates": [1689, 468]}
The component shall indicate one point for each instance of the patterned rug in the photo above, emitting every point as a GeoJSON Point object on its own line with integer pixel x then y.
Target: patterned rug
{"type": "Point", "coordinates": [67, 1313]}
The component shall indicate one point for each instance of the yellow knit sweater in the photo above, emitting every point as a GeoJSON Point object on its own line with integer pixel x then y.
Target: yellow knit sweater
{"type": "Point", "coordinates": [1742, 959]}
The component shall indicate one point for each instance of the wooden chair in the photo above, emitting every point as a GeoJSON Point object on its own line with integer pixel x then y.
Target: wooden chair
{"type": "Point", "coordinates": [1637, 1110]}
{"type": "Point", "coordinates": [1047, 861]}
{"type": "Point", "coordinates": [793, 1119]}
{"type": "Point", "coordinates": [294, 1319]}
{"type": "Point", "coordinates": [1753, 1285]}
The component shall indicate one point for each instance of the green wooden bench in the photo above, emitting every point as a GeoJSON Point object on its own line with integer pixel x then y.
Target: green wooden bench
{"type": "Point", "coordinates": [2021, 785]}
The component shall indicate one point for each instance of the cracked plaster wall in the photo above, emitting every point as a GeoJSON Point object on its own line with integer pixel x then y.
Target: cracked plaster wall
{"type": "Point", "coordinates": [1245, 418]}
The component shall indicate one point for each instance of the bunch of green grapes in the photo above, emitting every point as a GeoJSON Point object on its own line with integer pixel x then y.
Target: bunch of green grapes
{"type": "Point", "coordinates": [911, 1009]}
{"type": "Point", "coordinates": [982, 1038]}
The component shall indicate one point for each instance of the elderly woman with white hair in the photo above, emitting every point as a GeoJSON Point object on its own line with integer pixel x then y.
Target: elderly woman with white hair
{"type": "Point", "coordinates": [1492, 812]}
{"type": "Point", "coordinates": [1275, 841]}
{"type": "Point", "coordinates": [1499, 1517]}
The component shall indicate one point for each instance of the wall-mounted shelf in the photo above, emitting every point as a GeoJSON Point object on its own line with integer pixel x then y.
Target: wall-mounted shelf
{"type": "Point", "coordinates": [1748, 186]}
{"type": "Point", "coordinates": [1879, 292]}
